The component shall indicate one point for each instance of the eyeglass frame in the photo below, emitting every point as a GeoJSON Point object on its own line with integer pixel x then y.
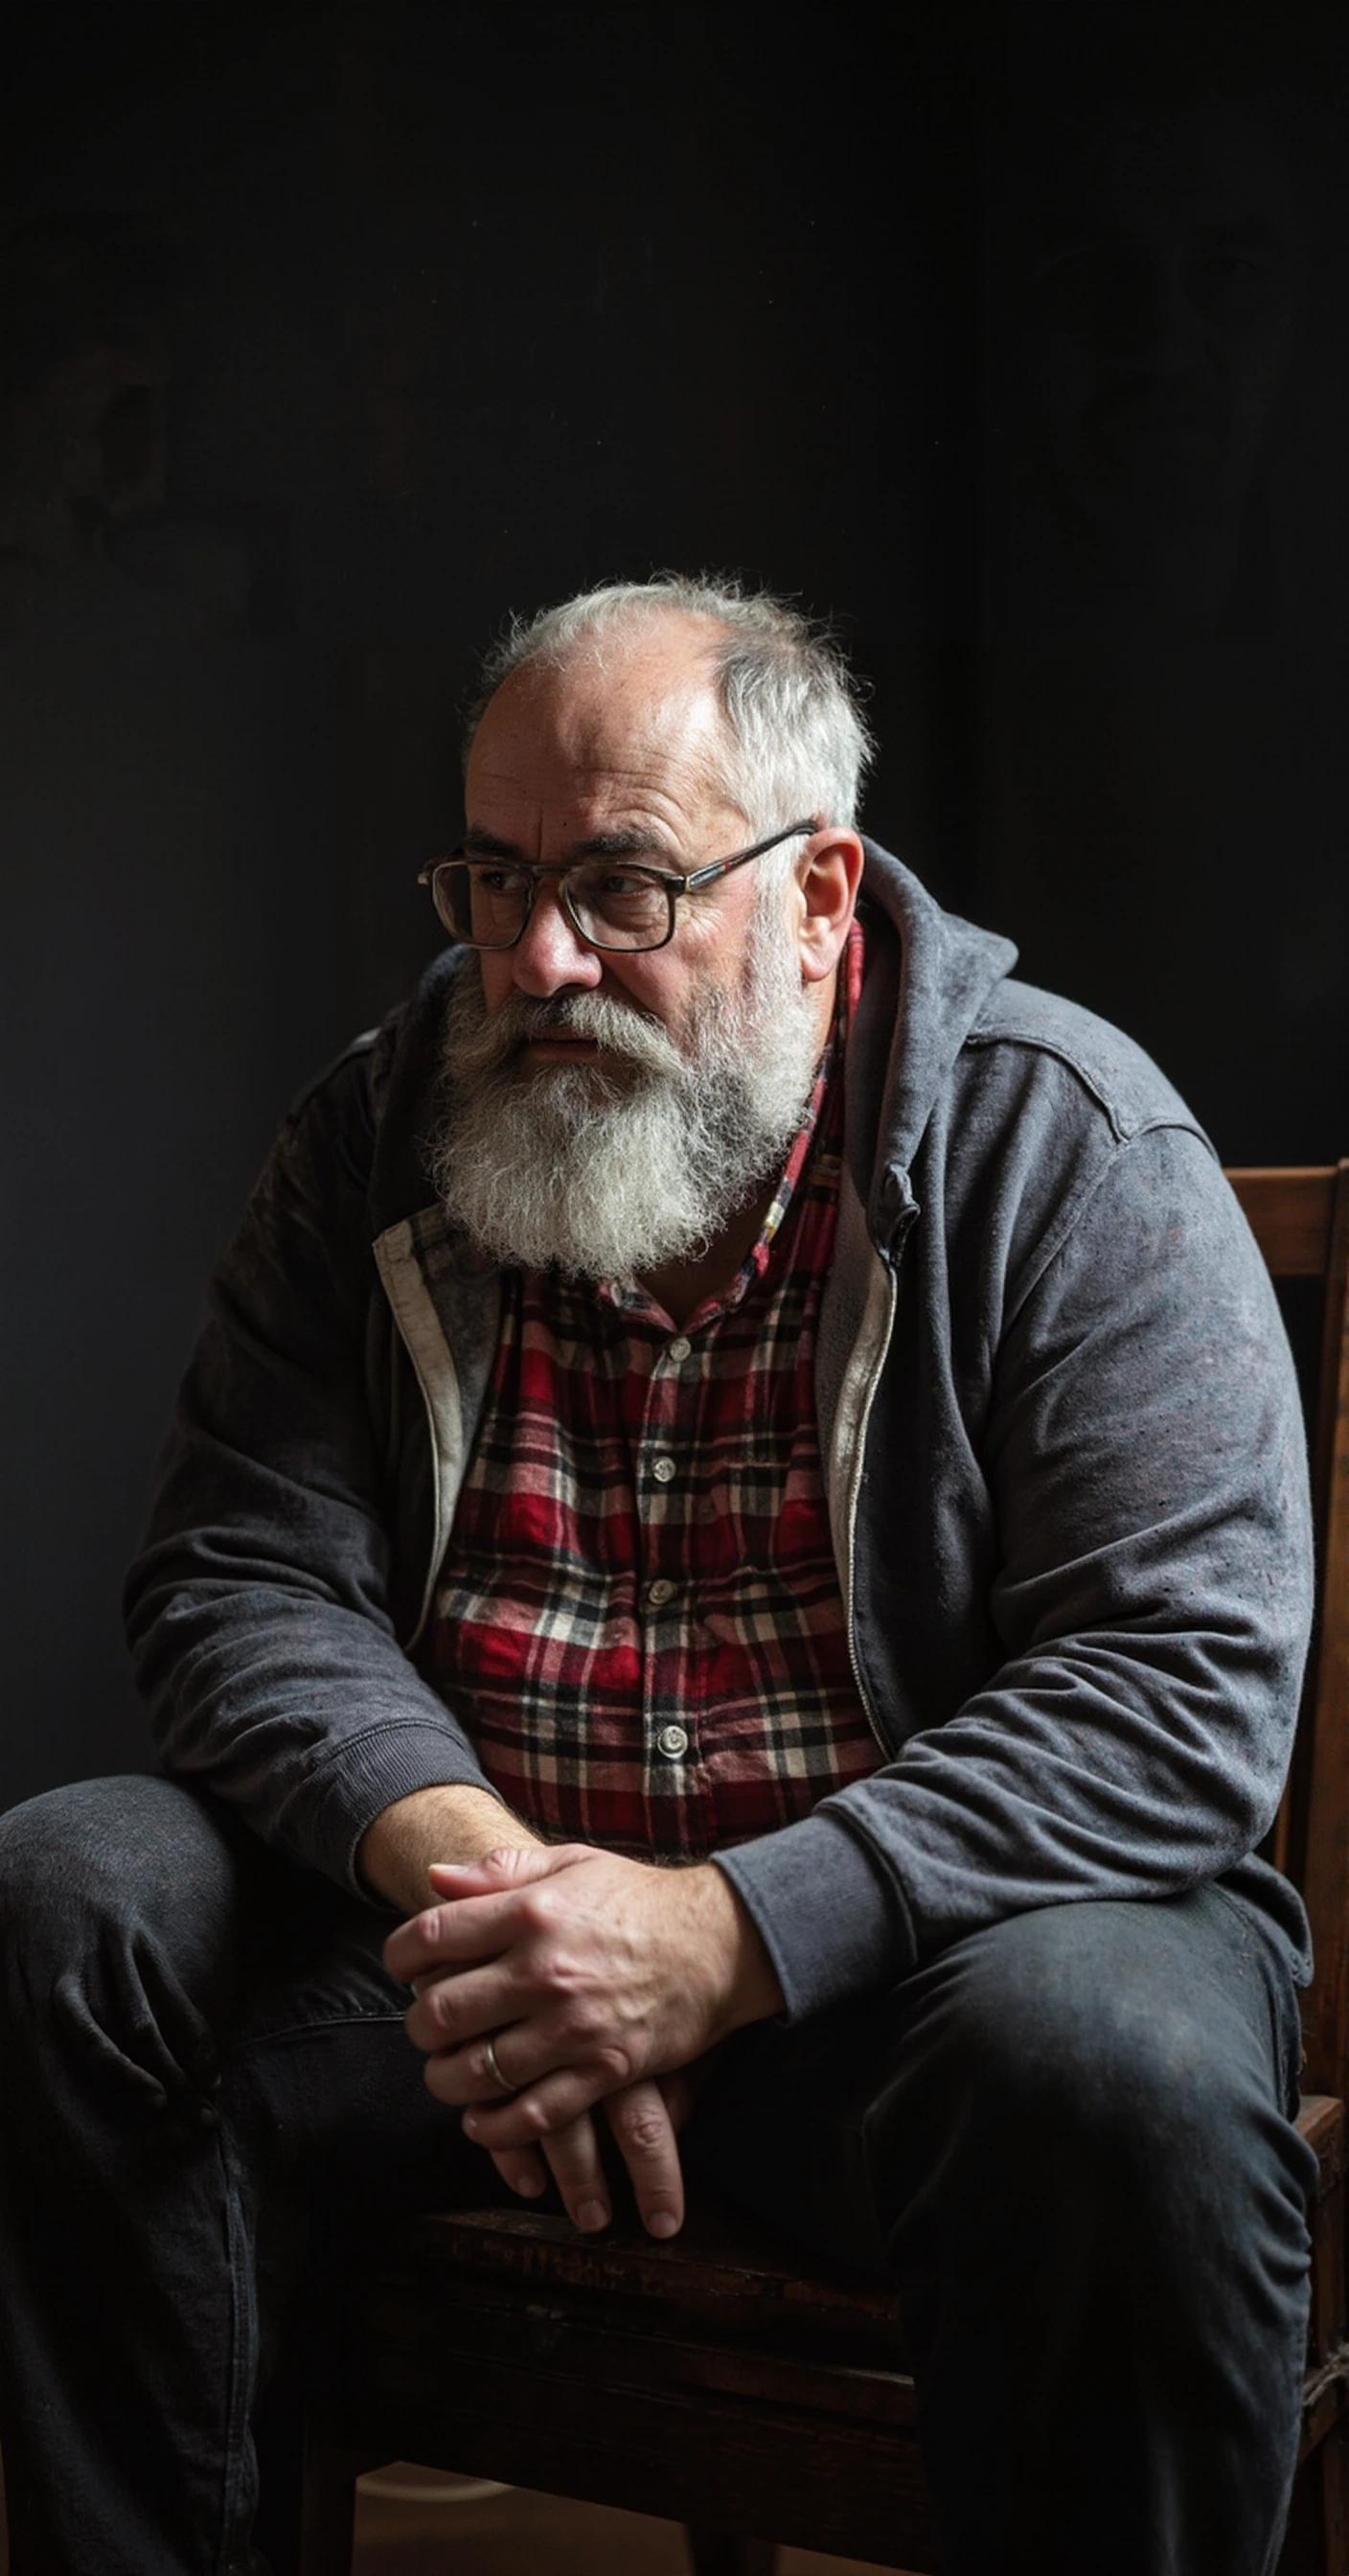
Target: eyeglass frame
{"type": "Point", "coordinates": [674, 887]}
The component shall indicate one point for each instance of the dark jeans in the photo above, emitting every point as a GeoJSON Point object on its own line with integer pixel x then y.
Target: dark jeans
{"type": "Point", "coordinates": [1065, 2142]}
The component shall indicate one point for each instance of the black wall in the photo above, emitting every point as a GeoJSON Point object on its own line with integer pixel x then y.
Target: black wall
{"type": "Point", "coordinates": [1012, 339]}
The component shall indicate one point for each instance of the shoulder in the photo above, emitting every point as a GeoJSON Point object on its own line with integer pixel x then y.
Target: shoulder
{"type": "Point", "coordinates": [1058, 1130]}
{"type": "Point", "coordinates": [341, 1094]}
{"type": "Point", "coordinates": [1029, 1045]}
{"type": "Point", "coordinates": [370, 1111]}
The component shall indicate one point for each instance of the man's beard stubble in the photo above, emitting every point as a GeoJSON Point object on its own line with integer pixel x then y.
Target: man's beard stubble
{"type": "Point", "coordinates": [610, 1170]}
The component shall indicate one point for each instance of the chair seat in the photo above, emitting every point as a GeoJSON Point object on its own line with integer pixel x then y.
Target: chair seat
{"type": "Point", "coordinates": [723, 2270]}
{"type": "Point", "coordinates": [718, 2379]}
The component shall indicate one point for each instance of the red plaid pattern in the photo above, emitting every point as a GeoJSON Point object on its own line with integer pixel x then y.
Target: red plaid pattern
{"type": "Point", "coordinates": [639, 1614]}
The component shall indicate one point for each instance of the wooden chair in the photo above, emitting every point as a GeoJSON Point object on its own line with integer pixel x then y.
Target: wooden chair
{"type": "Point", "coordinates": [714, 2381]}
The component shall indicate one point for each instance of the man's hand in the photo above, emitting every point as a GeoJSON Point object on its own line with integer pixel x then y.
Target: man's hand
{"type": "Point", "coordinates": [464, 1823]}
{"type": "Point", "coordinates": [592, 1975]}
{"type": "Point", "coordinates": [645, 2119]}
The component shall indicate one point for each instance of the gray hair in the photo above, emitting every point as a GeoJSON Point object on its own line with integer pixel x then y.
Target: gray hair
{"type": "Point", "coordinates": [797, 738]}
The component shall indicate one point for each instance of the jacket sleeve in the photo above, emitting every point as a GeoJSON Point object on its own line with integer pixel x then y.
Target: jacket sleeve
{"type": "Point", "coordinates": [1141, 1453]}
{"type": "Point", "coordinates": [258, 1610]}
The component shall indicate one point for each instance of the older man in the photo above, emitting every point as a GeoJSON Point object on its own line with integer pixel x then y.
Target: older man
{"type": "Point", "coordinates": [725, 1378]}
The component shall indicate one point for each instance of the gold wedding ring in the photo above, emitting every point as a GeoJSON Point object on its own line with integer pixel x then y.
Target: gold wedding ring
{"type": "Point", "coordinates": [493, 2065]}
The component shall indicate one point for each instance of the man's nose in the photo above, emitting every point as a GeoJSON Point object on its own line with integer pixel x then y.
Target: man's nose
{"type": "Point", "coordinates": [549, 955]}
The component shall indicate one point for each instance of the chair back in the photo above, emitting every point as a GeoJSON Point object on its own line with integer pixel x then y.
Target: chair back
{"type": "Point", "coordinates": [1300, 1219]}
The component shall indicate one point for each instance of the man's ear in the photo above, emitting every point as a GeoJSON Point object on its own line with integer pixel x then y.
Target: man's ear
{"type": "Point", "coordinates": [828, 875]}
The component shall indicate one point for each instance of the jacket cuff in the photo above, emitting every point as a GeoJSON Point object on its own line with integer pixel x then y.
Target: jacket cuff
{"type": "Point", "coordinates": [831, 1920]}
{"type": "Point", "coordinates": [374, 1769]}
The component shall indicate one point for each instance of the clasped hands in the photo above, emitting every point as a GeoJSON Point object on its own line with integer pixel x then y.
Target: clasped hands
{"type": "Point", "coordinates": [599, 1981]}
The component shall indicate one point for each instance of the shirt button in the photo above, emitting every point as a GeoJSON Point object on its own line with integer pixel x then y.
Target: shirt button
{"type": "Point", "coordinates": [673, 1740]}
{"type": "Point", "coordinates": [661, 1591]}
{"type": "Point", "coordinates": [680, 1348]}
{"type": "Point", "coordinates": [663, 1470]}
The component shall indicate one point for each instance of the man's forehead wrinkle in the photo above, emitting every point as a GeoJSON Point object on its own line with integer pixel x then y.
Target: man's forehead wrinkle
{"type": "Point", "coordinates": [610, 739]}
{"type": "Point", "coordinates": [629, 841]}
{"type": "Point", "coordinates": [514, 822]}
{"type": "Point", "coordinates": [672, 719]}
{"type": "Point", "coordinates": [598, 786]}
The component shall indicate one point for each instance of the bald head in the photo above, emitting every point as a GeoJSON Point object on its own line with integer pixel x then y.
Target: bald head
{"type": "Point", "coordinates": [626, 719]}
{"type": "Point", "coordinates": [791, 738]}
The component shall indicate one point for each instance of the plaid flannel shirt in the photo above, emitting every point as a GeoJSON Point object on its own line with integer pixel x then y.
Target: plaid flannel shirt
{"type": "Point", "coordinates": [639, 1614]}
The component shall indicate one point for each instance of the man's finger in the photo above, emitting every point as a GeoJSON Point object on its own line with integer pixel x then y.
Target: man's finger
{"type": "Point", "coordinates": [641, 2122]}
{"type": "Point", "coordinates": [523, 2169]}
{"type": "Point", "coordinates": [450, 2012]}
{"type": "Point", "coordinates": [515, 1865]}
{"type": "Point", "coordinates": [532, 2116]}
{"type": "Point", "coordinates": [574, 2155]}
{"type": "Point", "coordinates": [538, 2061]}
{"type": "Point", "coordinates": [487, 2043]}
{"type": "Point", "coordinates": [452, 1935]}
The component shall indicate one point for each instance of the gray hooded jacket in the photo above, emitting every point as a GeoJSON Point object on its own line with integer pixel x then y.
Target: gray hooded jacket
{"type": "Point", "coordinates": [1063, 1452]}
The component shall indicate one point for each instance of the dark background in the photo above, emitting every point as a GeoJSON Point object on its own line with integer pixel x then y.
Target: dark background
{"type": "Point", "coordinates": [1011, 339]}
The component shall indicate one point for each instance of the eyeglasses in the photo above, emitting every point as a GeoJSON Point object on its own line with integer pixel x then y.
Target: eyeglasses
{"type": "Point", "coordinates": [485, 903]}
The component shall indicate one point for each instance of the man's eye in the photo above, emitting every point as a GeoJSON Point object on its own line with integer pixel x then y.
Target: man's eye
{"type": "Point", "coordinates": [487, 880]}
{"type": "Point", "coordinates": [616, 883]}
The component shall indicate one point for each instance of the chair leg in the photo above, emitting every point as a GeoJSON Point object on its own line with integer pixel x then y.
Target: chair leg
{"type": "Point", "coordinates": [721, 2553]}
{"type": "Point", "coordinates": [327, 2529]}
{"type": "Point", "coordinates": [1335, 2498]}
{"type": "Point", "coordinates": [1316, 2542]}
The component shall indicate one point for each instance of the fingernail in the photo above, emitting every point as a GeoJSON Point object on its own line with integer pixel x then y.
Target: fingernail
{"type": "Point", "coordinates": [592, 2213]}
{"type": "Point", "coordinates": [662, 2222]}
{"type": "Point", "coordinates": [469, 2124]}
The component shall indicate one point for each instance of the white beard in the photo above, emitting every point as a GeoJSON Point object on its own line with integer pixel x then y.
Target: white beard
{"type": "Point", "coordinates": [611, 1170]}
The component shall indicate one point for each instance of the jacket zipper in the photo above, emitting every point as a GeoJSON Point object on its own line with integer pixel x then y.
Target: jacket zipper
{"type": "Point", "coordinates": [891, 1261]}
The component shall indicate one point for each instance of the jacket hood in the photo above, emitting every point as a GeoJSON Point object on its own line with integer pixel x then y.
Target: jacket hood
{"type": "Point", "coordinates": [929, 976]}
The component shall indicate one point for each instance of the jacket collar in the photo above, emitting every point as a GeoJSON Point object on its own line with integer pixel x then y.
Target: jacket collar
{"type": "Point", "coordinates": [929, 976]}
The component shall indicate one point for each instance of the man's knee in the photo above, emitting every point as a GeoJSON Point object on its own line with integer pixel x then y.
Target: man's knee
{"type": "Point", "coordinates": [1145, 2046]}
{"type": "Point", "coordinates": [100, 1850]}
{"type": "Point", "coordinates": [1076, 2074]}
{"type": "Point", "coordinates": [116, 1906]}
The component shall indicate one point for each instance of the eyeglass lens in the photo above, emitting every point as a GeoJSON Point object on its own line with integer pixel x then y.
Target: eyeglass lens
{"type": "Point", "coordinates": [486, 903]}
